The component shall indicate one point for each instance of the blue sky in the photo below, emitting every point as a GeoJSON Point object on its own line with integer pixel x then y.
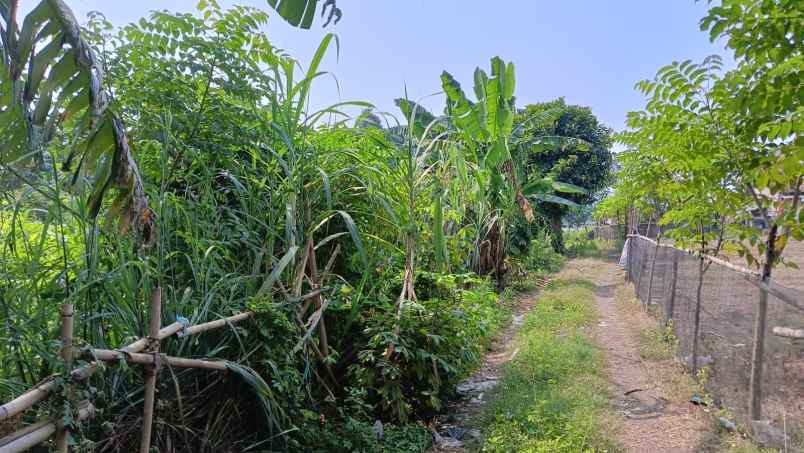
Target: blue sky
{"type": "Point", "coordinates": [592, 52]}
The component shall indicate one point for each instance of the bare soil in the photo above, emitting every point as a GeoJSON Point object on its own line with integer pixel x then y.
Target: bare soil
{"type": "Point", "coordinates": [651, 397]}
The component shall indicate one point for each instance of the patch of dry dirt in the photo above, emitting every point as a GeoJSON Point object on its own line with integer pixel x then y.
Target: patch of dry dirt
{"type": "Point", "coordinates": [652, 398]}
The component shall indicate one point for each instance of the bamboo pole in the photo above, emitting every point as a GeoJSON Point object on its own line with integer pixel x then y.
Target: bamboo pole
{"type": "Point", "coordinates": [28, 438]}
{"type": "Point", "coordinates": [67, 321]}
{"type": "Point", "coordinates": [150, 372]}
{"type": "Point", "coordinates": [218, 323]}
{"type": "Point", "coordinates": [110, 355]}
{"type": "Point", "coordinates": [788, 332]}
{"type": "Point", "coordinates": [40, 392]}
{"type": "Point", "coordinates": [22, 432]}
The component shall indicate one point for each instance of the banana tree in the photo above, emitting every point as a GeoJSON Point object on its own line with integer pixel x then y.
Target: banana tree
{"type": "Point", "coordinates": [51, 82]}
{"type": "Point", "coordinates": [300, 13]}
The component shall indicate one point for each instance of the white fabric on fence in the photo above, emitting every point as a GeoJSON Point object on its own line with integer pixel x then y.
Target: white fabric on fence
{"type": "Point", "coordinates": [624, 255]}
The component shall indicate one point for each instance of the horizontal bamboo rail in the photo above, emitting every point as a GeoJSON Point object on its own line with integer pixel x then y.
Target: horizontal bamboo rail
{"type": "Point", "coordinates": [40, 392]}
{"type": "Point", "coordinates": [217, 324]}
{"type": "Point", "coordinates": [788, 332]}
{"type": "Point", "coordinates": [37, 433]}
{"type": "Point", "coordinates": [110, 355]}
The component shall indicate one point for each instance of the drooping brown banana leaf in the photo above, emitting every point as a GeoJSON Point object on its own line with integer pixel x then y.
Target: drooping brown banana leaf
{"type": "Point", "coordinates": [50, 81]}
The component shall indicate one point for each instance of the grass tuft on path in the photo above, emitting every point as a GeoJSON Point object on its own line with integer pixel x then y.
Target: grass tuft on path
{"type": "Point", "coordinates": [553, 396]}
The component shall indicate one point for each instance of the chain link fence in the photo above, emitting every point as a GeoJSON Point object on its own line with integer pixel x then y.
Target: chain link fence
{"type": "Point", "coordinates": [666, 280]}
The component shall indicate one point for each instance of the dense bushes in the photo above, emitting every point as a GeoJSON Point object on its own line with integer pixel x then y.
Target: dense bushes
{"type": "Point", "coordinates": [440, 339]}
{"type": "Point", "coordinates": [365, 250]}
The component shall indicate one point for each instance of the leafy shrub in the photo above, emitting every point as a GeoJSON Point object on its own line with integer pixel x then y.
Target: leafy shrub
{"type": "Point", "coordinates": [541, 256]}
{"type": "Point", "coordinates": [440, 340]}
{"type": "Point", "coordinates": [359, 436]}
{"type": "Point", "coordinates": [578, 243]}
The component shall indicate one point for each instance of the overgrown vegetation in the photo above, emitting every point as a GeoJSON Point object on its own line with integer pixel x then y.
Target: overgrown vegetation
{"type": "Point", "coordinates": [553, 396]}
{"type": "Point", "coordinates": [372, 249]}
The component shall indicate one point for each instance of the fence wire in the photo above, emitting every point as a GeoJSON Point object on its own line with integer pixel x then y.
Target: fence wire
{"type": "Point", "coordinates": [669, 283]}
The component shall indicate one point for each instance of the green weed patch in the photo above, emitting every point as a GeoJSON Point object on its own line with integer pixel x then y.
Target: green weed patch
{"type": "Point", "coordinates": [553, 396]}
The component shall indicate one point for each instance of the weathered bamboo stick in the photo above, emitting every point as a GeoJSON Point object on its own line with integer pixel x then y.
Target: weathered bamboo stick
{"type": "Point", "coordinates": [28, 438]}
{"type": "Point", "coordinates": [150, 372]}
{"type": "Point", "coordinates": [110, 355]}
{"type": "Point", "coordinates": [40, 392]}
{"type": "Point", "coordinates": [22, 432]}
{"type": "Point", "coordinates": [788, 332]}
{"type": "Point", "coordinates": [218, 323]}
{"type": "Point", "coordinates": [67, 318]}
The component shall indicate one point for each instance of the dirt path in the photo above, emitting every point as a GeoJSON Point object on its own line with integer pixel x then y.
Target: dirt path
{"type": "Point", "coordinates": [650, 396]}
{"type": "Point", "coordinates": [457, 431]}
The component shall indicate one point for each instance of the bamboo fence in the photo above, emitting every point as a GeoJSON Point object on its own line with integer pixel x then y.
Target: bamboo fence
{"type": "Point", "coordinates": [144, 352]}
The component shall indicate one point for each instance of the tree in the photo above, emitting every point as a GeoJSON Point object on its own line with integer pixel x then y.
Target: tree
{"type": "Point", "coordinates": [764, 100]}
{"type": "Point", "coordinates": [51, 86]}
{"type": "Point", "coordinates": [585, 162]}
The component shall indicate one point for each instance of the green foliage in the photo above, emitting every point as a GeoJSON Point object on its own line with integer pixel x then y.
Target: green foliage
{"type": "Point", "coordinates": [358, 436]}
{"type": "Point", "coordinates": [440, 340]}
{"type": "Point", "coordinates": [715, 147]}
{"type": "Point", "coordinates": [580, 244]}
{"type": "Point", "coordinates": [327, 232]}
{"type": "Point", "coordinates": [52, 92]}
{"type": "Point", "coordinates": [541, 256]}
{"type": "Point", "coordinates": [553, 397]}
{"type": "Point", "coordinates": [300, 13]}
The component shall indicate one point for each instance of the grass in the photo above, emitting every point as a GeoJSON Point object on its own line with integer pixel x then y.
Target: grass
{"type": "Point", "coordinates": [553, 396]}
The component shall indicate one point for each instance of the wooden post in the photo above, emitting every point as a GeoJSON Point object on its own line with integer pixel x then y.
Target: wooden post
{"type": "Point", "coordinates": [670, 306]}
{"type": "Point", "coordinates": [67, 322]}
{"type": "Point", "coordinates": [150, 372]}
{"type": "Point", "coordinates": [697, 322]}
{"type": "Point", "coordinates": [630, 260]}
{"type": "Point", "coordinates": [641, 272]}
{"type": "Point", "coordinates": [757, 356]}
{"type": "Point", "coordinates": [653, 268]}
{"type": "Point", "coordinates": [758, 349]}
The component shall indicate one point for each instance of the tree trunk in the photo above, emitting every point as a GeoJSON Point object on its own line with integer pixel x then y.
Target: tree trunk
{"type": "Point", "coordinates": [556, 235]}
{"type": "Point", "coordinates": [757, 351]}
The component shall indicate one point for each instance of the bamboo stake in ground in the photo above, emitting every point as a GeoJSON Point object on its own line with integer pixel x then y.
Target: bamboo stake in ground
{"type": "Point", "coordinates": [150, 372]}
{"type": "Point", "coordinates": [67, 318]}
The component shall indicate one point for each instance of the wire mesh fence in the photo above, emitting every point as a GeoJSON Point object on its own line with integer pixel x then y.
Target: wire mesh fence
{"type": "Point", "coordinates": [667, 279]}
